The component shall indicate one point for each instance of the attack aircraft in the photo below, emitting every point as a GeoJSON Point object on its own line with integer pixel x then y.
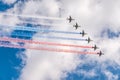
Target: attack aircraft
{"type": "Point", "coordinates": [100, 53]}
{"type": "Point", "coordinates": [83, 33]}
{"type": "Point", "coordinates": [70, 19]}
{"type": "Point", "coordinates": [95, 47]}
{"type": "Point", "coordinates": [89, 40]}
{"type": "Point", "coordinates": [76, 26]}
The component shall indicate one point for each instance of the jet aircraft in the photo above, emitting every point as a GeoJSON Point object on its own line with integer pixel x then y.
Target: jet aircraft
{"type": "Point", "coordinates": [100, 53]}
{"type": "Point", "coordinates": [95, 47]}
{"type": "Point", "coordinates": [83, 33]}
{"type": "Point", "coordinates": [89, 40]}
{"type": "Point", "coordinates": [76, 26]}
{"type": "Point", "coordinates": [70, 19]}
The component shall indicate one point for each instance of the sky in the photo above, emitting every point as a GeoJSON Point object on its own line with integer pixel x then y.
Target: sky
{"type": "Point", "coordinates": [99, 18]}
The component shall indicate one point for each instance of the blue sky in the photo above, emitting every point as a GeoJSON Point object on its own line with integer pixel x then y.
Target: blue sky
{"type": "Point", "coordinates": [9, 62]}
{"type": "Point", "coordinates": [89, 68]}
{"type": "Point", "coordinates": [8, 59]}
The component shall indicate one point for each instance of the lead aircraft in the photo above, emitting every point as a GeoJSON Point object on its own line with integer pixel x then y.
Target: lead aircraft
{"type": "Point", "coordinates": [70, 19]}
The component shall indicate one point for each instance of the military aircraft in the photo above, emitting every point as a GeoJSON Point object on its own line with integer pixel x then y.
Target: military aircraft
{"type": "Point", "coordinates": [70, 19]}
{"type": "Point", "coordinates": [83, 33]}
{"type": "Point", "coordinates": [89, 40]}
{"type": "Point", "coordinates": [100, 53]}
{"type": "Point", "coordinates": [76, 26]}
{"type": "Point", "coordinates": [95, 47]}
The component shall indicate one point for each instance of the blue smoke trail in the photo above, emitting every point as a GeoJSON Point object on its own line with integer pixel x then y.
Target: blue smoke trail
{"type": "Point", "coordinates": [43, 30]}
{"type": "Point", "coordinates": [49, 37]}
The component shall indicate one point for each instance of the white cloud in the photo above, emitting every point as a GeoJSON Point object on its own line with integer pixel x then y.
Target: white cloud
{"type": "Point", "coordinates": [46, 65]}
{"type": "Point", "coordinates": [41, 7]}
{"type": "Point", "coordinates": [8, 1]}
{"type": "Point", "coordinates": [111, 76]}
{"type": "Point", "coordinates": [87, 74]}
{"type": "Point", "coordinates": [10, 21]}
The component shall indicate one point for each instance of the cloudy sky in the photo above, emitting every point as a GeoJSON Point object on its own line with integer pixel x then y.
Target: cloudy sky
{"type": "Point", "coordinates": [99, 18]}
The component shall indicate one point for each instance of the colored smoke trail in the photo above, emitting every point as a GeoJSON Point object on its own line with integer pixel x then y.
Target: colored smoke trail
{"type": "Point", "coordinates": [41, 42]}
{"type": "Point", "coordinates": [32, 16]}
{"type": "Point", "coordinates": [47, 49]}
{"type": "Point", "coordinates": [49, 37]}
{"type": "Point", "coordinates": [41, 30]}
{"type": "Point", "coordinates": [61, 38]}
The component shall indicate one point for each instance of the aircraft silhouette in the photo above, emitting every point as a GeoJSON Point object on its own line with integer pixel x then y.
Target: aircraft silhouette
{"type": "Point", "coordinates": [100, 53]}
{"type": "Point", "coordinates": [76, 26]}
{"type": "Point", "coordinates": [95, 47]}
{"type": "Point", "coordinates": [89, 40]}
{"type": "Point", "coordinates": [70, 19]}
{"type": "Point", "coordinates": [83, 33]}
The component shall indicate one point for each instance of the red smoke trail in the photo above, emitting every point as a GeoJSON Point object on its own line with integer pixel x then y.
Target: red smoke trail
{"type": "Point", "coordinates": [40, 42]}
{"type": "Point", "coordinates": [48, 49]}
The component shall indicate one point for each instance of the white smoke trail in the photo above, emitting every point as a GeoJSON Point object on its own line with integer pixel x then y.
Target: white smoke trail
{"type": "Point", "coordinates": [44, 24]}
{"type": "Point", "coordinates": [33, 16]}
